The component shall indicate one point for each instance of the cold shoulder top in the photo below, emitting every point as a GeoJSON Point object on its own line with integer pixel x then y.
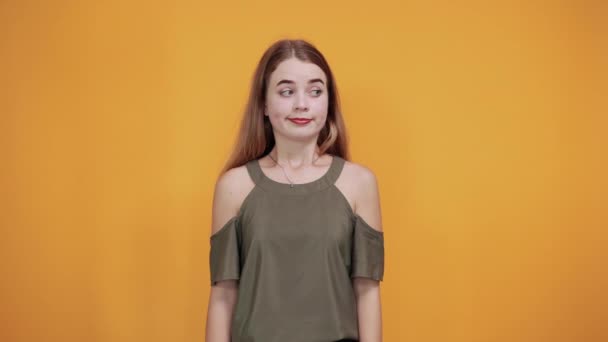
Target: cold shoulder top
{"type": "Point", "coordinates": [294, 251]}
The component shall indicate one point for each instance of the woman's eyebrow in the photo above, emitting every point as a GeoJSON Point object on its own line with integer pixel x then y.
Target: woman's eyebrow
{"type": "Point", "coordinates": [292, 82]}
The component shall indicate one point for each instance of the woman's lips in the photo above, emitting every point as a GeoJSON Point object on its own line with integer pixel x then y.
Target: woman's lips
{"type": "Point", "coordinates": [300, 121]}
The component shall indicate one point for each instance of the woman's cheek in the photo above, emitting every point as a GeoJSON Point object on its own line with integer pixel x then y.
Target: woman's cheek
{"type": "Point", "coordinates": [284, 107]}
{"type": "Point", "coordinates": [321, 106]}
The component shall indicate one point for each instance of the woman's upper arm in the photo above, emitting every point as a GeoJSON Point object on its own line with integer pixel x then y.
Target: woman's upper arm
{"type": "Point", "coordinates": [226, 199]}
{"type": "Point", "coordinates": [367, 202]}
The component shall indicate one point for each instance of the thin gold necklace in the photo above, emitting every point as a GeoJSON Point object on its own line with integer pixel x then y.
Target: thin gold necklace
{"type": "Point", "coordinates": [291, 184]}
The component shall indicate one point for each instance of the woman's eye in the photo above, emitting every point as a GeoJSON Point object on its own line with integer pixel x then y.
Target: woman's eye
{"type": "Point", "coordinates": [286, 92]}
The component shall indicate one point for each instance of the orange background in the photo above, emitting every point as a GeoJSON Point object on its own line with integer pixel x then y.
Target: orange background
{"type": "Point", "coordinates": [483, 122]}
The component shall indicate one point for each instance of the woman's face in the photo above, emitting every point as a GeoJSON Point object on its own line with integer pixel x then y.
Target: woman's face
{"type": "Point", "coordinates": [297, 90]}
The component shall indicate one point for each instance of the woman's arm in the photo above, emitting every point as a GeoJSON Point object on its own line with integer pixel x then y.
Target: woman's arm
{"type": "Point", "coordinates": [369, 311]}
{"type": "Point", "coordinates": [222, 299]}
{"type": "Point", "coordinates": [367, 291]}
{"type": "Point", "coordinates": [224, 294]}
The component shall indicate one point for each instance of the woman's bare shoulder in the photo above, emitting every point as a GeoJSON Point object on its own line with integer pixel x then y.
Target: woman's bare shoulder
{"type": "Point", "coordinates": [233, 178]}
{"type": "Point", "coordinates": [363, 185]}
{"type": "Point", "coordinates": [230, 190]}
{"type": "Point", "coordinates": [357, 173]}
{"type": "Point", "coordinates": [353, 177]}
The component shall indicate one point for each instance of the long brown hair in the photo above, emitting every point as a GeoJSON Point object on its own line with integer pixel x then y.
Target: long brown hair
{"type": "Point", "coordinates": [255, 138]}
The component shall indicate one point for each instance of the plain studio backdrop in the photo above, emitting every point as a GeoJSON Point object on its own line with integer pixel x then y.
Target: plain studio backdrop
{"type": "Point", "coordinates": [483, 120]}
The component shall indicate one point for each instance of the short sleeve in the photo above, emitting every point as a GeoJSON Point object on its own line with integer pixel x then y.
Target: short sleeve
{"type": "Point", "coordinates": [224, 255]}
{"type": "Point", "coordinates": [367, 251]}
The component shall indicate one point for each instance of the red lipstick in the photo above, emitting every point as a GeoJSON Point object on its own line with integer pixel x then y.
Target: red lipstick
{"type": "Point", "coordinates": [300, 121]}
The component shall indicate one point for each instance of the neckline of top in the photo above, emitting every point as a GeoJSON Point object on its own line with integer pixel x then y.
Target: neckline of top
{"type": "Point", "coordinates": [326, 180]}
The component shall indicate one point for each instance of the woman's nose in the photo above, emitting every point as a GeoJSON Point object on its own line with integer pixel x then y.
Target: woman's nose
{"type": "Point", "coordinates": [301, 103]}
{"type": "Point", "coordinates": [302, 108]}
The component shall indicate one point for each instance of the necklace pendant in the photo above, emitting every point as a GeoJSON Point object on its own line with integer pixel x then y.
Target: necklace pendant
{"type": "Point", "coordinates": [291, 185]}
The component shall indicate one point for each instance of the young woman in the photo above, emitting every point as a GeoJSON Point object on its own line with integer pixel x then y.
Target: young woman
{"type": "Point", "coordinates": [297, 248]}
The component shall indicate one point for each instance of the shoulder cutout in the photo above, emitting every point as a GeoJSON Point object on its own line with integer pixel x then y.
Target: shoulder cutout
{"type": "Point", "coordinates": [230, 191]}
{"type": "Point", "coordinates": [367, 201]}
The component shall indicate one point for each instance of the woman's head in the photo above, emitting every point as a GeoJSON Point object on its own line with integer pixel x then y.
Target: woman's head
{"type": "Point", "coordinates": [292, 80]}
{"type": "Point", "coordinates": [296, 90]}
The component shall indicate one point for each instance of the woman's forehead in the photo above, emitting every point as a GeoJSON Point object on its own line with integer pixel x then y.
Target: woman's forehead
{"type": "Point", "coordinates": [296, 70]}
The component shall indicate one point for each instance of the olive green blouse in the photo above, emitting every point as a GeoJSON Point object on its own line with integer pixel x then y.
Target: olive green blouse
{"type": "Point", "coordinates": [294, 251]}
